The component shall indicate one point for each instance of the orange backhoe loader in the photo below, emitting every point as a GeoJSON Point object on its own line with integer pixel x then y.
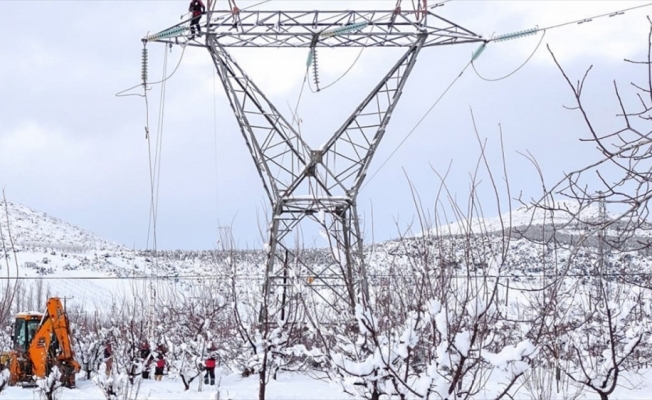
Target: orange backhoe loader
{"type": "Point", "coordinates": [42, 341]}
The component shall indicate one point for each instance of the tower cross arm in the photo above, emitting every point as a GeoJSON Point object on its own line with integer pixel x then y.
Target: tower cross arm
{"type": "Point", "coordinates": [372, 28]}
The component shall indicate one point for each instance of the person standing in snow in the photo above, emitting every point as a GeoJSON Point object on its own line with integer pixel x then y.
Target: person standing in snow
{"type": "Point", "coordinates": [210, 370]}
{"type": "Point", "coordinates": [197, 8]}
{"type": "Point", "coordinates": [160, 366]}
{"type": "Point", "coordinates": [145, 355]}
{"type": "Point", "coordinates": [108, 357]}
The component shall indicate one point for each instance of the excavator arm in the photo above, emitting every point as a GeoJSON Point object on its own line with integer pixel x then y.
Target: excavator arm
{"type": "Point", "coordinates": [52, 346]}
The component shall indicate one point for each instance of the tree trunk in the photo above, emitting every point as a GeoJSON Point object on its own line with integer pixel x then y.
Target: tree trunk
{"type": "Point", "coordinates": [261, 381]}
{"type": "Point", "coordinates": [185, 384]}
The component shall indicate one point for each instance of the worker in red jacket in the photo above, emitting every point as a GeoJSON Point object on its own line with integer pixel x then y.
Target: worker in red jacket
{"type": "Point", "coordinates": [210, 370]}
{"type": "Point", "coordinates": [160, 366]}
{"type": "Point", "coordinates": [197, 8]}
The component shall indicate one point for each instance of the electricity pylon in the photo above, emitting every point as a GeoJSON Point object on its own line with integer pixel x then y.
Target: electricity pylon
{"type": "Point", "coordinates": [318, 183]}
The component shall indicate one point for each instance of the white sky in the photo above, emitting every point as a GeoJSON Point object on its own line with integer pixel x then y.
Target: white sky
{"type": "Point", "coordinates": [69, 147]}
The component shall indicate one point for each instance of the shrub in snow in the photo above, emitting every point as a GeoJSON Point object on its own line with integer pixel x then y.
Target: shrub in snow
{"type": "Point", "coordinates": [116, 386]}
{"type": "Point", "coordinates": [4, 379]}
{"type": "Point", "coordinates": [197, 324]}
{"type": "Point", "coordinates": [186, 360]}
{"type": "Point", "coordinates": [433, 328]}
{"type": "Point", "coordinates": [605, 337]}
{"type": "Point", "coordinates": [434, 352]}
{"type": "Point", "coordinates": [51, 385]}
{"type": "Point", "coordinates": [90, 342]}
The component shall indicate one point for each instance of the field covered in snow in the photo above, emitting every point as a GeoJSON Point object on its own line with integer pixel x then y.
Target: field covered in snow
{"type": "Point", "coordinates": [289, 386]}
{"type": "Point", "coordinates": [461, 297]}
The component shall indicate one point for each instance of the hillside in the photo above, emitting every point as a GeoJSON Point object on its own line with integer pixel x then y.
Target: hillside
{"type": "Point", "coordinates": [80, 264]}
{"type": "Point", "coordinates": [34, 229]}
{"type": "Point", "coordinates": [73, 262]}
{"type": "Point", "coordinates": [93, 274]}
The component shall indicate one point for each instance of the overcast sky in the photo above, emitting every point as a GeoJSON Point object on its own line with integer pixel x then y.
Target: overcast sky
{"type": "Point", "coordinates": [71, 148]}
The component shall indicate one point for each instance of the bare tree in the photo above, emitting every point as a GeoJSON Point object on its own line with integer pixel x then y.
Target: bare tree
{"type": "Point", "coordinates": [622, 176]}
{"type": "Point", "coordinates": [434, 326]}
{"type": "Point", "coordinates": [10, 287]}
{"type": "Point", "coordinates": [193, 316]}
{"type": "Point", "coordinates": [606, 204]}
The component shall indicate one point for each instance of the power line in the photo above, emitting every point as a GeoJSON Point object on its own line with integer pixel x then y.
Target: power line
{"type": "Point", "coordinates": [589, 19]}
{"type": "Point", "coordinates": [249, 276]}
{"type": "Point", "coordinates": [121, 93]}
{"type": "Point", "coordinates": [500, 38]}
{"type": "Point", "coordinates": [513, 72]}
{"type": "Point", "coordinates": [527, 32]}
{"type": "Point", "coordinates": [417, 124]}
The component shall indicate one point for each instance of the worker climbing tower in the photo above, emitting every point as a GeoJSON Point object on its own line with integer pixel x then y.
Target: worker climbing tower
{"type": "Point", "coordinates": [303, 181]}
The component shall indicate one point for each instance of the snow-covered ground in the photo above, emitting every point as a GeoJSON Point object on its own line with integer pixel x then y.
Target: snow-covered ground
{"type": "Point", "coordinates": [93, 273]}
{"type": "Point", "coordinates": [288, 386]}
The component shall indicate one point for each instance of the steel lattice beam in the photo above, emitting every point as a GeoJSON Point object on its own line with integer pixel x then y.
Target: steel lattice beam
{"type": "Point", "coordinates": [251, 28]}
{"type": "Point", "coordinates": [269, 136]}
{"type": "Point", "coordinates": [301, 182]}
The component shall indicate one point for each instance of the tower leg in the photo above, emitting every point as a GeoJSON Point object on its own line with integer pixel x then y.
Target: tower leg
{"type": "Point", "coordinates": [303, 182]}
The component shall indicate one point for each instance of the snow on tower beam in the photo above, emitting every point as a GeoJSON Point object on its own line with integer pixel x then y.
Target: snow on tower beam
{"type": "Point", "coordinates": [251, 28]}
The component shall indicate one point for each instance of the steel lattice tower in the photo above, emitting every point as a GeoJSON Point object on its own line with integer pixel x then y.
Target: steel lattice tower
{"type": "Point", "coordinates": [317, 183]}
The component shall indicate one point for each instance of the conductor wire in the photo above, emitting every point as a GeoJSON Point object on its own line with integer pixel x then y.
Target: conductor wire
{"type": "Point", "coordinates": [155, 162]}
{"type": "Point", "coordinates": [121, 93]}
{"type": "Point", "coordinates": [418, 123]}
{"type": "Point", "coordinates": [513, 72]}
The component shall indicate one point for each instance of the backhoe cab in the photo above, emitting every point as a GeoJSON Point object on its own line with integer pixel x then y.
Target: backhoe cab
{"type": "Point", "coordinates": [42, 341]}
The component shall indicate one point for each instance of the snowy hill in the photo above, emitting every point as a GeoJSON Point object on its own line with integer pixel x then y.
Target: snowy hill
{"type": "Point", "coordinates": [78, 263]}
{"type": "Point", "coordinates": [90, 271]}
{"type": "Point", "coordinates": [523, 217]}
{"type": "Point", "coordinates": [565, 224]}
{"type": "Point", "coordinates": [71, 261]}
{"type": "Point", "coordinates": [30, 228]}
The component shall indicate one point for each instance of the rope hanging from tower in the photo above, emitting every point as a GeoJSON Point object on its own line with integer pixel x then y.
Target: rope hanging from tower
{"type": "Point", "coordinates": [144, 75]}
